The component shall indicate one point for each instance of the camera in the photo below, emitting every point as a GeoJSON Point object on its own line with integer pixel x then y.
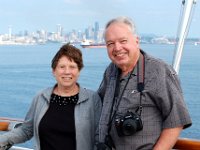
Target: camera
{"type": "Point", "coordinates": [128, 124]}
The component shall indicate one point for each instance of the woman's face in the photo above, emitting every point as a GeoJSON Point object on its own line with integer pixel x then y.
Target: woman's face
{"type": "Point", "coordinates": [66, 73]}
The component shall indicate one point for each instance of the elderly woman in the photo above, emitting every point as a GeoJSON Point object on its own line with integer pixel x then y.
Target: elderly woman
{"type": "Point", "coordinates": [64, 116]}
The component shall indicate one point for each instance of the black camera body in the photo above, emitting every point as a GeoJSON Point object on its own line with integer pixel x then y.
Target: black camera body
{"type": "Point", "coordinates": [128, 124]}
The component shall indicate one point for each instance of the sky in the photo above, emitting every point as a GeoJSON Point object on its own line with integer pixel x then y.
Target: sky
{"type": "Point", "coordinates": [159, 17]}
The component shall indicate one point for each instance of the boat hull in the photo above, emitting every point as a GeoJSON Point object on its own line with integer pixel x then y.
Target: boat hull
{"type": "Point", "coordinates": [93, 46]}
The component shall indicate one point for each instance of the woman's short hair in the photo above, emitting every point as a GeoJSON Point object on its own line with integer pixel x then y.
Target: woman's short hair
{"type": "Point", "coordinates": [71, 52]}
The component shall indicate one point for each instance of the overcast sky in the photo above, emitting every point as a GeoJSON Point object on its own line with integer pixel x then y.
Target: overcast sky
{"type": "Point", "coordinates": [158, 17]}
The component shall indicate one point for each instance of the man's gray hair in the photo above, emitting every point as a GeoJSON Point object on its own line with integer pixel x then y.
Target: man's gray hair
{"type": "Point", "coordinates": [126, 20]}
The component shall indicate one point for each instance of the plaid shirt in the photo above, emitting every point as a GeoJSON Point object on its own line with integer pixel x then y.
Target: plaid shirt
{"type": "Point", "coordinates": [162, 101]}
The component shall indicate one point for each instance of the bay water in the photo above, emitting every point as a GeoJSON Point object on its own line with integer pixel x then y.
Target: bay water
{"type": "Point", "coordinates": [25, 70]}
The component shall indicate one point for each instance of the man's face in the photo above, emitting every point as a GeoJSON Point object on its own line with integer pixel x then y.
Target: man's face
{"type": "Point", "coordinates": [122, 45]}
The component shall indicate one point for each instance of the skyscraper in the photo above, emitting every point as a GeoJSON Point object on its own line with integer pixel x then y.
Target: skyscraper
{"type": "Point", "coordinates": [96, 31]}
{"type": "Point", "coordinates": [96, 26]}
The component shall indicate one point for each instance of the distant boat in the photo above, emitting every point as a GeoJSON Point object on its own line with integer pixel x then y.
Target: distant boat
{"type": "Point", "coordinates": [95, 45]}
{"type": "Point", "coordinates": [89, 44]}
{"type": "Point", "coordinates": [197, 43]}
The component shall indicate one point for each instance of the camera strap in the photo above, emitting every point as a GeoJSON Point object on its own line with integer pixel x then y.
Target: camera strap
{"type": "Point", "coordinates": [140, 88]}
{"type": "Point", "coordinates": [140, 79]}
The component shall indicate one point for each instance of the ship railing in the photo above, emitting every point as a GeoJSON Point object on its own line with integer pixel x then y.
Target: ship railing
{"type": "Point", "coordinates": [7, 124]}
{"type": "Point", "coordinates": [19, 148]}
{"type": "Point", "coordinates": [187, 144]}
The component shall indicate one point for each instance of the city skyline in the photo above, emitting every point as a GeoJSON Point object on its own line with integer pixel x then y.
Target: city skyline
{"type": "Point", "coordinates": [91, 34]}
{"type": "Point", "coordinates": [151, 17]}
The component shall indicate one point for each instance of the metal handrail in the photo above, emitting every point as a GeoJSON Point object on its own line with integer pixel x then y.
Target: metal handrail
{"type": "Point", "coordinates": [184, 28]}
{"type": "Point", "coordinates": [187, 144]}
{"type": "Point", "coordinates": [19, 148]}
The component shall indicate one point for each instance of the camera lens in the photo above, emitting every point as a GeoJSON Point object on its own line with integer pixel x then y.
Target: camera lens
{"type": "Point", "coordinates": [129, 127]}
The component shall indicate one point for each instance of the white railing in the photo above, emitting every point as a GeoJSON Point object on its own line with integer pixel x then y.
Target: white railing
{"type": "Point", "coordinates": [19, 148]}
{"type": "Point", "coordinates": [183, 31]}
